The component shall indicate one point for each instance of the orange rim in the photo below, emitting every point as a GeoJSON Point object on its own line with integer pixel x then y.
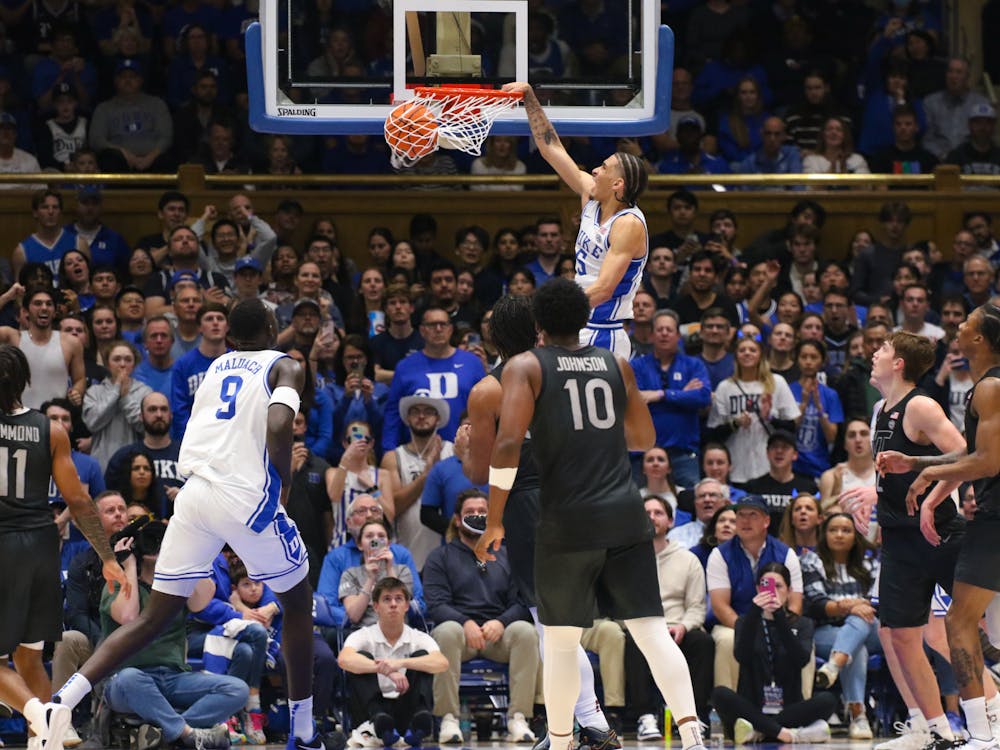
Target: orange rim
{"type": "Point", "coordinates": [466, 93]}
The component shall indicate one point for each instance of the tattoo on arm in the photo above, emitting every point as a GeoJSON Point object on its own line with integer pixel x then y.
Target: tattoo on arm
{"type": "Point", "coordinates": [541, 128]}
{"type": "Point", "coordinates": [922, 462]}
{"type": "Point", "coordinates": [90, 526]}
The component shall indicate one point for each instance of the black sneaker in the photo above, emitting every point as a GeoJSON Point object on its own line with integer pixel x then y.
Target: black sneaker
{"type": "Point", "coordinates": [294, 743]}
{"type": "Point", "coordinates": [937, 742]}
{"type": "Point", "coordinates": [595, 739]}
{"type": "Point", "coordinates": [334, 740]}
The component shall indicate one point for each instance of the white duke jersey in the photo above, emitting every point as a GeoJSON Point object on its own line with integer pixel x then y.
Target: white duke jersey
{"type": "Point", "coordinates": [592, 249]}
{"type": "Point", "coordinates": [226, 437]}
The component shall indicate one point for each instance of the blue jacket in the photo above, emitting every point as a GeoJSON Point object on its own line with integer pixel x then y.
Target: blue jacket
{"type": "Point", "coordinates": [348, 555]}
{"type": "Point", "coordinates": [743, 580]}
{"type": "Point", "coordinates": [676, 416]}
{"type": "Point", "coordinates": [789, 161]}
{"type": "Point", "coordinates": [188, 373]}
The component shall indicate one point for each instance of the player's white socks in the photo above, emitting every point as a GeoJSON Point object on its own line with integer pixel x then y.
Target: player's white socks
{"type": "Point", "coordinates": [993, 707]}
{"type": "Point", "coordinates": [667, 663]}
{"type": "Point", "coordinates": [301, 713]}
{"type": "Point", "coordinates": [918, 721]}
{"type": "Point", "coordinates": [560, 676]}
{"type": "Point", "coordinates": [588, 709]}
{"type": "Point", "coordinates": [74, 691]}
{"type": "Point", "coordinates": [34, 712]}
{"type": "Point", "coordinates": [940, 726]}
{"type": "Point", "coordinates": [975, 718]}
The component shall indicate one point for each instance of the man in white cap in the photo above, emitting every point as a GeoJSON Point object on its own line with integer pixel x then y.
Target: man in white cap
{"type": "Point", "coordinates": [410, 463]}
{"type": "Point", "coordinates": [978, 154]}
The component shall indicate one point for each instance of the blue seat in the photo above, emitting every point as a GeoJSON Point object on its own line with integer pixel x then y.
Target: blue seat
{"type": "Point", "coordinates": [484, 685]}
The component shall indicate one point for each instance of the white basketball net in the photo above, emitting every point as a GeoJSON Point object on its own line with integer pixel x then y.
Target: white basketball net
{"type": "Point", "coordinates": [462, 119]}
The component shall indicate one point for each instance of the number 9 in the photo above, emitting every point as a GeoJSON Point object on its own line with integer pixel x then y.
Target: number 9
{"type": "Point", "coordinates": [230, 388]}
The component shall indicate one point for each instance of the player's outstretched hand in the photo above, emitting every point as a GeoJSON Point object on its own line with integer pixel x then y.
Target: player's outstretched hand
{"type": "Point", "coordinates": [113, 573]}
{"type": "Point", "coordinates": [927, 525]}
{"type": "Point", "coordinates": [893, 462]}
{"type": "Point", "coordinates": [517, 87]}
{"type": "Point", "coordinates": [488, 543]}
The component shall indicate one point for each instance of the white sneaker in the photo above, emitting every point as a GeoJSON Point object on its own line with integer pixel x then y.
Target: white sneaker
{"type": "Point", "coordinates": [518, 729]}
{"type": "Point", "coordinates": [35, 743]}
{"type": "Point", "coordinates": [818, 731]}
{"type": "Point", "coordinates": [648, 729]}
{"type": "Point", "coordinates": [364, 736]}
{"type": "Point", "coordinates": [910, 738]}
{"type": "Point", "coordinates": [450, 731]}
{"type": "Point", "coordinates": [975, 744]}
{"type": "Point", "coordinates": [58, 721]}
{"type": "Point", "coordinates": [860, 729]}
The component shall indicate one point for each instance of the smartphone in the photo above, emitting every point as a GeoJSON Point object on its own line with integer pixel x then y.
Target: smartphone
{"type": "Point", "coordinates": [376, 544]}
{"type": "Point", "coordinates": [356, 434]}
{"type": "Point", "coordinates": [298, 438]}
{"type": "Point", "coordinates": [473, 339]}
{"type": "Point", "coordinates": [768, 584]}
{"type": "Point", "coordinates": [327, 330]}
{"type": "Point", "coordinates": [960, 363]}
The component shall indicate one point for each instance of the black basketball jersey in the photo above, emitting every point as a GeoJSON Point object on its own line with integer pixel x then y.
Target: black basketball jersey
{"type": "Point", "coordinates": [588, 498]}
{"type": "Point", "coordinates": [25, 468]}
{"type": "Point", "coordinates": [527, 468]}
{"type": "Point", "coordinates": [892, 488]}
{"type": "Point", "coordinates": [987, 488]}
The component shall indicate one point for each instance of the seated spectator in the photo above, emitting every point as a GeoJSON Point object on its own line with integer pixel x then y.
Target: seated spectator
{"type": "Point", "coordinates": [478, 612]}
{"type": "Point", "coordinates": [445, 487]}
{"type": "Point", "coordinates": [500, 159]}
{"type": "Point", "coordinates": [106, 246]}
{"type": "Point", "coordinates": [12, 159]}
{"type": "Point", "coordinates": [838, 579]}
{"type": "Point", "coordinates": [682, 594]}
{"type": "Point", "coordinates": [389, 668]}
{"type": "Point", "coordinates": [191, 120]}
{"type": "Point", "coordinates": [709, 26]}
{"type": "Point", "coordinates": [61, 135]}
{"type": "Point", "coordinates": [675, 387]}
{"type": "Point", "coordinates": [978, 154]}
{"type": "Point", "coordinates": [709, 496]}
{"type": "Point", "coordinates": [702, 295]}
{"type": "Point", "coordinates": [805, 121]}
{"type": "Point", "coordinates": [733, 571]}
{"type": "Point", "coordinates": [657, 473]}
{"type": "Point", "coordinates": [218, 155]}
{"type": "Point", "coordinates": [185, 255]}
{"type": "Point", "coordinates": [310, 503]}
{"type": "Point", "coordinates": [914, 308]}
{"type": "Point", "coordinates": [64, 66]}
{"type": "Point", "coordinates": [114, 22]}
{"type": "Point", "coordinates": [132, 131]}
{"type": "Point", "coordinates": [905, 155]}
{"type": "Point", "coordinates": [349, 554]}
{"type": "Point", "coordinates": [835, 151]}
{"type": "Point", "coordinates": [193, 57]}
{"type": "Point", "coordinates": [882, 96]}
{"type": "Point", "coordinates": [747, 407]}
{"type": "Point", "coordinates": [139, 484]}
{"type": "Point", "coordinates": [112, 410]}
{"type": "Point", "coordinates": [280, 159]}
{"type": "Point", "coordinates": [680, 107]}
{"type": "Point", "coordinates": [156, 684]}
{"type": "Point", "coordinates": [800, 523]}
{"type": "Point", "coordinates": [773, 644]}
{"type": "Point", "coordinates": [740, 129]}
{"type": "Point", "coordinates": [821, 411]}
{"type": "Point", "coordinates": [774, 156]}
{"type": "Point", "coordinates": [719, 530]}
{"type": "Point", "coordinates": [356, 154]}
{"type": "Point", "coordinates": [781, 484]}
{"type": "Point", "coordinates": [948, 110]}
{"type": "Point", "coordinates": [721, 76]}
{"type": "Point", "coordinates": [689, 157]}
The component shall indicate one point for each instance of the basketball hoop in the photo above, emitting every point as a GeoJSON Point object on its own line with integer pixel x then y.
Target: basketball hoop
{"type": "Point", "coordinates": [450, 117]}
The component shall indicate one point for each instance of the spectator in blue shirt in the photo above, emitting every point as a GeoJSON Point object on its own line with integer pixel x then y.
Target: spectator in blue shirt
{"type": "Point", "coordinates": [675, 387]}
{"type": "Point", "coordinates": [688, 157]}
{"type": "Point", "coordinates": [822, 414]}
{"type": "Point", "coordinates": [190, 369]}
{"type": "Point", "coordinates": [774, 156]}
{"type": "Point", "coordinates": [444, 482]}
{"type": "Point", "coordinates": [439, 371]}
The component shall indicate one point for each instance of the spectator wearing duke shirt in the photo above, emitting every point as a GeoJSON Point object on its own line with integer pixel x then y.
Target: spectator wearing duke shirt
{"type": "Point", "coordinates": [675, 387]}
{"type": "Point", "coordinates": [439, 370]}
{"type": "Point", "coordinates": [190, 369]}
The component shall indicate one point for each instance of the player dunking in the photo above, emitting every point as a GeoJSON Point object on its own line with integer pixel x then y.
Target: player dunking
{"type": "Point", "coordinates": [513, 327]}
{"type": "Point", "coordinates": [237, 452]}
{"type": "Point", "coordinates": [977, 572]}
{"type": "Point", "coordinates": [32, 449]}
{"type": "Point", "coordinates": [594, 548]}
{"type": "Point", "coordinates": [612, 244]}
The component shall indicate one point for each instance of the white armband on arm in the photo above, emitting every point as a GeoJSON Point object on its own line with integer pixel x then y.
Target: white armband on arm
{"type": "Point", "coordinates": [285, 394]}
{"type": "Point", "coordinates": [502, 478]}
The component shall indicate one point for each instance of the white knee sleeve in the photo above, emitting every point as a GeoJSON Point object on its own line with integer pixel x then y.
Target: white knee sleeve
{"type": "Point", "coordinates": [560, 676]}
{"type": "Point", "coordinates": [666, 662]}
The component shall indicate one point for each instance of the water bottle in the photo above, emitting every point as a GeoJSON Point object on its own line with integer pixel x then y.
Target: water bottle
{"type": "Point", "coordinates": [715, 728]}
{"type": "Point", "coordinates": [465, 722]}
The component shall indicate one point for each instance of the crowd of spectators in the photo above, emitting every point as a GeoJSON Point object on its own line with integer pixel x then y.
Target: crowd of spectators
{"type": "Point", "coordinates": [754, 364]}
{"type": "Point", "coordinates": [769, 88]}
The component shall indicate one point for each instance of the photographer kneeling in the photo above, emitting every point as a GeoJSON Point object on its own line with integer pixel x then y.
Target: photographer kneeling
{"type": "Point", "coordinates": [178, 705]}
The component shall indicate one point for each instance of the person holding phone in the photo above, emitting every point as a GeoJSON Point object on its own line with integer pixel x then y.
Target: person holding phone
{"type": "Point", "coordinates": [772, 646]}
{"type": "Point", "coordinates": [377, 562]}
{"type": "Point", "coordinates": [358, 474]}
{"type": "Point", "coordinates": [952, 384]}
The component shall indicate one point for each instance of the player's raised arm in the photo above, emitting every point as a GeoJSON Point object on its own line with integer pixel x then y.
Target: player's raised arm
{"type": "Point", "coordinates": [80, 505]}
{"type": "Point", "coordinates": [521, 382]}
{"type": "Point", "coordinates": [640, 435]}
{"type": "Point", "coordinates": [286, 380]}
{"type": "Point", "coordinates": [548, 143]}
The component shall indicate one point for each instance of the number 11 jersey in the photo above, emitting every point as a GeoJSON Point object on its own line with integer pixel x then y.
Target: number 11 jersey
{"type": "Point", "coordinates": [226, 437]}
